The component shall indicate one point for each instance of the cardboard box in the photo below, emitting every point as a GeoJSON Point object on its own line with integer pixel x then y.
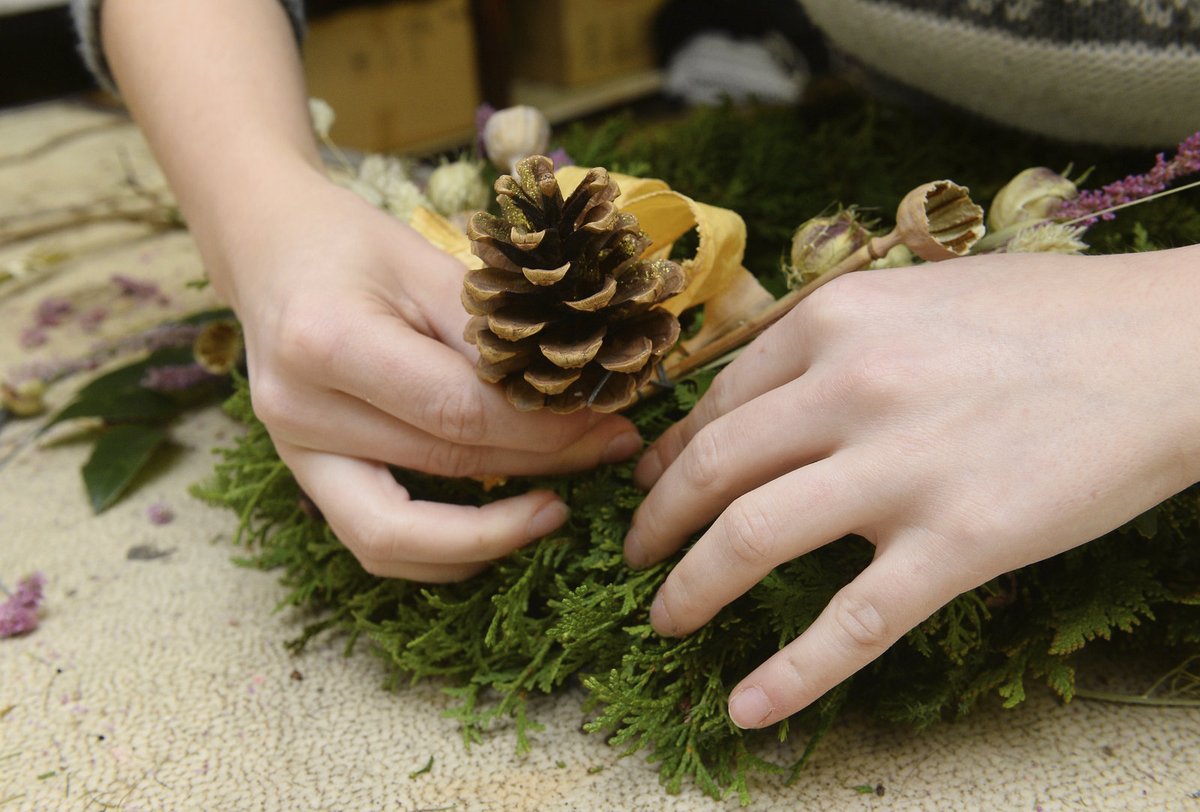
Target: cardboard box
{"type": "Point", "coordinates": [577, 42]}
{"type": "Point", "coordinates": [400, 76]}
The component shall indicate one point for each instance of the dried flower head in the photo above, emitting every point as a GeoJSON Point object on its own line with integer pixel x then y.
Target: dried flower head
{"type": "Point", "coordinates": [218, 347]}
{"type": "Point", "coordinates": [1030, 196]}
{"type": "Point", "coordinates": [19, 614]}
{"type": "Point", "coordinates": [458, 186]}
{"type": "Point", "coordinates": [822, 242]}
{"type": "Point", "coordinates": [25, 398]}
{"type": "Point", "coordinates": [1047, 238]}
{"type": "Point", "coordinates": [322, 116]}
{"type": "Point", "coordinates": [515, 133]}
{"type": "Point", "coordinates": [939, 221]}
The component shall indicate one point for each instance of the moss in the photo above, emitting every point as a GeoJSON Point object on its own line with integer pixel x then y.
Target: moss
{"type": "Point", "coordinates": [567, 608]}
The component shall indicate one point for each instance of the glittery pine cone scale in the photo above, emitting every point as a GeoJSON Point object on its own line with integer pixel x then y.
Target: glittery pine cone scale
{"type": "Point", "coordinates": [565, 315]}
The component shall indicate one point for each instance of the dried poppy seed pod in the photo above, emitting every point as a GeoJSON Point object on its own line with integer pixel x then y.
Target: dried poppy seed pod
{"type": "Point", "coordinates": [515, 133]}
{"type": "Point", "coordinates": [566, 311]}
{"type": "Point", "coordinates": [939, 221]}
{"type": "Point", "coordinates": [1030, 196]}
{"type": "Point", "coordinates": [218, 347]}
{"type": "Point", "coordinates": [822, 242]}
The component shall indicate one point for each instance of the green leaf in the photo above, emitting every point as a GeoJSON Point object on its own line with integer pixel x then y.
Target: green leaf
{"type": "Point", "coordinates": [117, 458]}
{"type": "Point", "coordinates": [133, 406]}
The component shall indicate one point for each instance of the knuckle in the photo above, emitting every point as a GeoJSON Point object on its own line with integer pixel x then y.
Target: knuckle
{"type": "Point", "coordinates": [450, 460]}
{"type": "Point", "coordinates": [703, 460]}
{"type": "Point", "coordinates": [368, 540]}
{"type": "Point", "coordinates": [460, 417]}
{"type": "Point", "coordinates": [859, 622]}
{"type": "Point", "coordinates": [878, 375]}
{"type": "Point", "coordinates": [273, 404]}
{"type": "Point", "coordinates": [310, 342]}
{"type": "Point", "coordinates": [840, 302]}
{"type": "Point", "coordinates": [749, 533]}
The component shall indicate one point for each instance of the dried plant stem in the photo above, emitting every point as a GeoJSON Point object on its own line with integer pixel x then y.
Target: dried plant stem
{"type": "Point", "coordinates": [875, 248]}
{"type": "Point", "coordinates": [1136, 699]}
{"type": "Point", "coordinates": [1173, 689]}
{"type": "Point", "coordinates": [156, 217]}
{"type": "Point", "coordinates": [62, 139]}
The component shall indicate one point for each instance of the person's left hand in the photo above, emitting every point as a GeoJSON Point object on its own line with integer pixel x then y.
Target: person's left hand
{"type": "Point", "coordinates": [967, 418]}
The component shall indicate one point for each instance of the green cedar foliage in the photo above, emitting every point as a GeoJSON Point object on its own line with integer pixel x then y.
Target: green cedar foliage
{"type": "Point", "coordinates": [567, 608]}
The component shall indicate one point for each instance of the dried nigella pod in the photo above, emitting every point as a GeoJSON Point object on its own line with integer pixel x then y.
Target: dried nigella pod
{"type": "Point", "coordinates": [1030, 196]}
{"type": "Point", "coordinates": [515, 133]}
{"type": "Point", "coordinates": [566, 311]}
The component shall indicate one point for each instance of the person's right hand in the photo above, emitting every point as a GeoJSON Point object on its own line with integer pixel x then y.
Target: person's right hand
{"type": "Point", "coordinates": [353, 327]}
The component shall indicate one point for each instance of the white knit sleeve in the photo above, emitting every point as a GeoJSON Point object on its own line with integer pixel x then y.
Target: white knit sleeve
{"type": "Point", "coordinates": [86, 14]}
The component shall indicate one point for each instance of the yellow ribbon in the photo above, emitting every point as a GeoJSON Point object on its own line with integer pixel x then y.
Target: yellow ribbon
{"type": "Point", "coordinates": [664, 215]}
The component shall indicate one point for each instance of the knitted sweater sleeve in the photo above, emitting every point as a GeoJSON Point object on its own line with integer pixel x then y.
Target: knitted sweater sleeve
{"type": "Point", "coordinates": [86, 14]}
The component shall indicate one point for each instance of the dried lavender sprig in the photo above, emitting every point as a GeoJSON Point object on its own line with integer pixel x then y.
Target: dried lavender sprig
{"type": "Point", "coordinates": [176, 377]}
{"type": "Point", "coordinates": [156, 338]}
{"type": "Point", "coordinates": [1100, 204]}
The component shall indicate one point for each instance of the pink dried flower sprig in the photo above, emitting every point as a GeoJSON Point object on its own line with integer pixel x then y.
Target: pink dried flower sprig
{"type": "Point", "coordinates": [176, 377]}
{"type": "Point", "coordinates": [19, 614]}
{"type": "Point", "coordinates": [1095, 204]}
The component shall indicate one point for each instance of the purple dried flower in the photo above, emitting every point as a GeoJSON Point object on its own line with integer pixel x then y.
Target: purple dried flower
{"type": "Point", "coordinates": [32, 337]}
{"type": "Point", "coordinates": [53, 311]}
{"type": "Point", "coordinates": [139, 289]}
{"type": "Point", "coordinates": [91, 319]}
{"type": "Point", "coordinates": [560, 158]}
{"type": "Point", "coordinates": [19, 614]}
{"type": "Point", "coordinates": [160, 513]}
{"type": "Point", "coordinates": [1133, 187]}
{"type": "Point", "coordinates": [482, 113]}
{"type": "Point", "coordinates": [175, 378]}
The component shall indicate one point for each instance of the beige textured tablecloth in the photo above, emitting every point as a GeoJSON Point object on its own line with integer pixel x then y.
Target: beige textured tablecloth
{"type": "Point", "coordinates": [164, 683]}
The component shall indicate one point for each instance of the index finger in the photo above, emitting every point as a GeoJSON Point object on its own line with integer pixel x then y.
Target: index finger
{"type": "Point", "coordinates": [433, 387]}
{"type": "Point", "coordinates": [887, 599]}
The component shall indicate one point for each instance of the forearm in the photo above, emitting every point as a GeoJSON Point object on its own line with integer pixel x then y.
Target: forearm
{"type": "Point", "coordinates": [218, 89]}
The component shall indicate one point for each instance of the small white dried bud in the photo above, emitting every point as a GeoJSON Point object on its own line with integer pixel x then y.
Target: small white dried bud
{"type": "Point", "coordinates": [1047, 238]}
{"type": "Point", "coordinates": [821, 243]}
{"type": "Point", "coordinates": [515, 133]}
{"type": "Point", "coordinates": [900, 256]}
{"type": "Point", "coordinates": [1030, 196]}
{"type": "Point", "coordinates": [322, 116]}
{"type": "Point", "coordinates": [458, 186]}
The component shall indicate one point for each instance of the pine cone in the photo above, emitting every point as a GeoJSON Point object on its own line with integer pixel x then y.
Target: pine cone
{"type": "Point", "coordinates": [566, 310]}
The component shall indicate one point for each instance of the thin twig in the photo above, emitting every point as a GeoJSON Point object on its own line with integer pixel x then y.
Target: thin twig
{"type": "Point", "coordinates": [155, 218]}
{"type": "Point", "coordinates": [1135, 699]}
{"type": "Point", "coordinates": [62, 139]}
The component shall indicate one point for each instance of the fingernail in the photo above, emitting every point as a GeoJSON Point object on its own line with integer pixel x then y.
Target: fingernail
{"type": "Point", "coordinates": [621, 447]}
{"type": "Point", "coordinates": [649, 469]}
{"type": "Point", "coordinates": [750, 707]}
{"type": "Point", "coordinates": [547, 519]}
{"type": "Point", "coordinates": [634, 554]}
{"type": "Point", "coordinates": [660, 618]}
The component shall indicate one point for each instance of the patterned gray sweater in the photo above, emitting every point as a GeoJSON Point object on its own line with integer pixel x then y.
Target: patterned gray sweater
{"type": "Point", "coordinates": [1109, 71]}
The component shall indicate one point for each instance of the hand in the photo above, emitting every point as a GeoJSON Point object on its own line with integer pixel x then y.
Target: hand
{"type": "Point", "coordinates": [353, 330]}
{"type": "Point", "coordinates": [967, 418]}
